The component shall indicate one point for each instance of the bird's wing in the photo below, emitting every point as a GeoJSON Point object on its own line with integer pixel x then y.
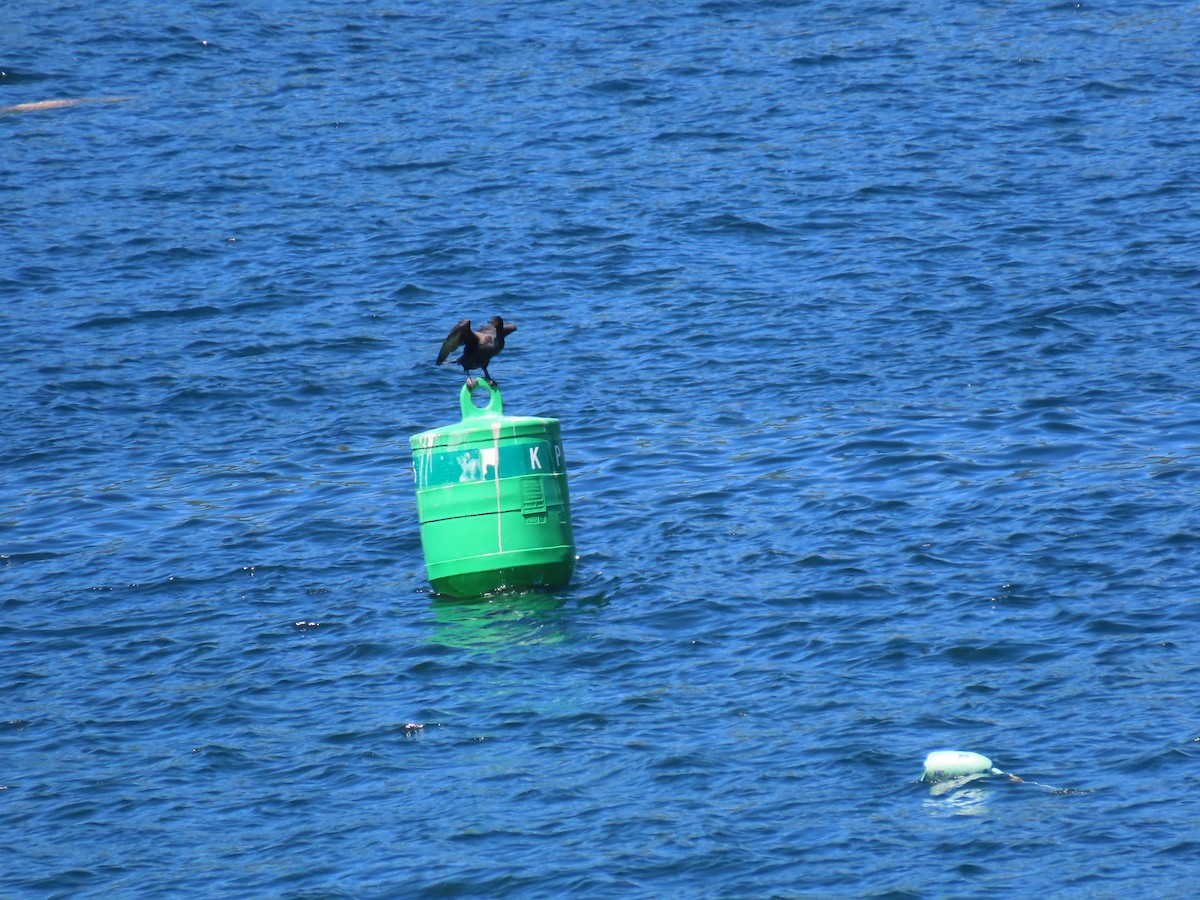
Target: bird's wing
{"type": "Point", "coordinates": [460, 334]}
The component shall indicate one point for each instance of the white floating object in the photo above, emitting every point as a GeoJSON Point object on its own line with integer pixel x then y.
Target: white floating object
{"type": "Point", "coordinates": [943, 765]}
{"type": "Point", "coordinates": [948, 770]}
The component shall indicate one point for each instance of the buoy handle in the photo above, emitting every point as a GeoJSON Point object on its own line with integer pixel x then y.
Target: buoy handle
{"type": "Point", "coordinates": [494, 406]}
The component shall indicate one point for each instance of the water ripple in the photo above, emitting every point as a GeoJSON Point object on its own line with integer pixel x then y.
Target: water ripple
{"type": "Point", "coordinates": [871, 334]}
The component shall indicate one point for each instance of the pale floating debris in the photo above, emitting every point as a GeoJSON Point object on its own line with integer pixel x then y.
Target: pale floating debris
{"type": "Point", "coordinates": [58, 104]}
{"type": "Point", "coordinates": [948, 770]}
{"type": "Point", "coordinates": [942, 765]}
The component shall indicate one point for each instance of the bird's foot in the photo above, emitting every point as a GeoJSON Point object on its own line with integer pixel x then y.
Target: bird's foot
{"type": "Point", "coordinates": [493, 382]}
{"type": "Point", "coordinates": [471, 382]}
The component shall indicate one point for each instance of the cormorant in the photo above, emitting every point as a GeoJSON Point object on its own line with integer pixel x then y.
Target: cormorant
{"type": "Point", "coordinates": [478, 346]}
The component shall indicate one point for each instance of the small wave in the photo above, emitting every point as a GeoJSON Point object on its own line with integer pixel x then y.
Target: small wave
{"type": "Point", "coordinates": [819, 60]}
{"type": "Point", "coordinates": [728, 222]}
{"type": "Point", "coordinates": [618, 86]}
{"type": "Point", "coordinates": [203, 311]}
{"type": "Point", "coordinates": [1110, 89]}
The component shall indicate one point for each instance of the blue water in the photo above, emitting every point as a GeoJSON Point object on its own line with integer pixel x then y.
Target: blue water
{"type": "Point", "coordinates": [873, 331]}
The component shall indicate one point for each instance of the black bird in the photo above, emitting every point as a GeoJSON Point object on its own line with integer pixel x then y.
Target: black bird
{"type": "Point", "coordinates": [478, 346]}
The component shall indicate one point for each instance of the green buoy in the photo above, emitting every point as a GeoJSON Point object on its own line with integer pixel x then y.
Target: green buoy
{"type": "Point", "coordinates": [492, 501]}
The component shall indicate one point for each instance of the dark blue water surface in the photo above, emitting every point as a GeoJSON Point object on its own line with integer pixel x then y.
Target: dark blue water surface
{"type": "Point", "coordinates": [874, 333]}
